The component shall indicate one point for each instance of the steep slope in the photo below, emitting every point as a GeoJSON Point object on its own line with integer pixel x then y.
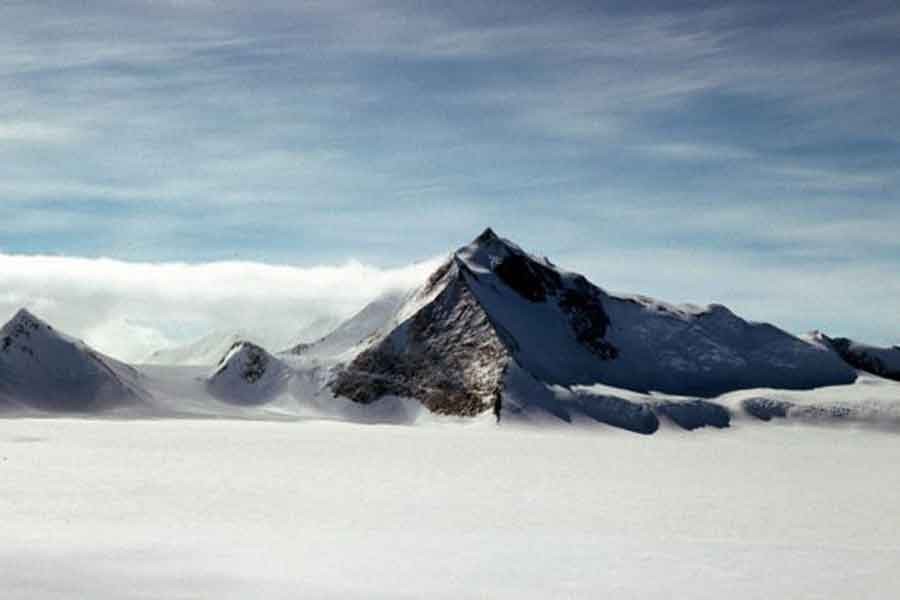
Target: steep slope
{"type": "Point", "coordinates": [447, 355]}
{"type": "Point", "coordinates": [491, 305]}
{"type": "Point", "coordinates": [346, 340]}
{"type": "Point", "coordinates": [45, 369]}
{"type": "Point", "coordinates": [884, 362]}
{"type": "Point", "coordinates": [313, 332]}
{"type": "Point", "coordinates": [206, 351]}
{"type": "Point", "coordinates": [248, 374]}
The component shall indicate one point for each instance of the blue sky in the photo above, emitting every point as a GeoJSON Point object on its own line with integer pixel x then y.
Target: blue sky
{"type": "Point", "coordinates": [744, 153]}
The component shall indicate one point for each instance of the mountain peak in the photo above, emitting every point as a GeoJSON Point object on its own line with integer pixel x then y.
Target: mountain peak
{"type": "Point", "coordinates": [486, 236]}
{"type": "Point", "coordinates": [247, 374]}
{"type": "Point", "coordinates": [23, 323]}
{"type": "Point", "coordinates": [23, 315]}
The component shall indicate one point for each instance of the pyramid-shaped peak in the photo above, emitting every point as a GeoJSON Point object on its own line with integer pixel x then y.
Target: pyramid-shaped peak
{"type": "Point", "coordinates": [23, 322]}
{"type": "Point", "coordinates": [488, 239]}
{"type": "Point", "coordinates": [487, 236]}
{"type": "Point", "coordinates": [23, 314]}
{"type": "Point", "coordinates": [488, 247]}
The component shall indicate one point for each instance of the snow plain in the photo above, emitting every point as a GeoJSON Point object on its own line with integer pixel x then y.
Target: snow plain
{"type": "Point", "coordinates": [181, 508]}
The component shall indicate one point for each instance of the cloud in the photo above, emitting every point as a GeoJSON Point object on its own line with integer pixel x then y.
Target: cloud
{"type": "Point", "coordinates": [131, 309]}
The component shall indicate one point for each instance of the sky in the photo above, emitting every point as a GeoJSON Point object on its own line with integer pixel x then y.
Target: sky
{"type": "Point", "coordinates": [169, 167]}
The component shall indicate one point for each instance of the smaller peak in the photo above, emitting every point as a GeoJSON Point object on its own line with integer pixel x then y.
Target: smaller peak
{"type": "Point", "coordinates": [241, 345]}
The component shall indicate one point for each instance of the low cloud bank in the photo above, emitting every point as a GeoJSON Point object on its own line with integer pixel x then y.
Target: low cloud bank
{"type": "Point", "coordinates": [129, 309]}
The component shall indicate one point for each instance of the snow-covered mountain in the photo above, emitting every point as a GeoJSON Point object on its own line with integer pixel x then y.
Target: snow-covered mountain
{"type": "Point", "coordinates": [313, 332]}
{"type": "Point", "coordinates": [493, 319]}
{"type": "Point", "coordinates": [43, 368]}
{"type": "Point", "coordinates": [350, 337]}
{"type": "Point", "coordinates": [248, 374]}
{"type": "Point", "coordinates": [206, 351]}
{"type": "Point", "coordinates": [494, 329]}
{"type": "Point", "coordinates": [881, 361]}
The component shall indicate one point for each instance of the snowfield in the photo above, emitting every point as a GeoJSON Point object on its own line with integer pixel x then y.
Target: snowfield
{"type": "Point", "coordinates": [315, 509]}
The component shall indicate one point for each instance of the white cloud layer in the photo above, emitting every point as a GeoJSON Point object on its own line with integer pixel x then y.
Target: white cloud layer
{"type": "Point", "coordinates": [130, 309]}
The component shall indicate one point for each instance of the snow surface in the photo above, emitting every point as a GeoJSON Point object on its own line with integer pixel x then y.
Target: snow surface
{"type": "Point", "coordinates": [233, 510]}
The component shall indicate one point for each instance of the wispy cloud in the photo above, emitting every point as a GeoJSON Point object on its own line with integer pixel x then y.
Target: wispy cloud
{"type": "Point", "coordinates": [37, 132]}
{"type": "Point", "coordinates": [307, 133]}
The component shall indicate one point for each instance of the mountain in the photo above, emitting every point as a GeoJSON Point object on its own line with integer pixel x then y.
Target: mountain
{"type": "Point", "coordinates": [884, 362]}
{"type": "Point", "coordinates": [206, 351]}
{"type": "Point", "coordinates": [496, 328]}
{"type": "Point", "coordinates": [314, 332]}
{"type": "Point", "coordinates": [248, 374]}
{"type": "Point", "coordinates": [43, 368]}
{"type": "Point", "coordinates": [348, 338]}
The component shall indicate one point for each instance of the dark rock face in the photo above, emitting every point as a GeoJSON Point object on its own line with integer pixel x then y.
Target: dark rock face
{"type": "Point", "coordinates": [589, 321]}
{"type": "Point", "coordinates": [695, 414]}
{"type": "Point", "coordinates": [577, 298]}
{"type": "Point", "coordinates": [621, 413]}
{"type": "Point", "coordinates": [531, 280]}
{"type": "Point", "coordinates": [765, 409]}
{"type": "Point", "coordinates": [448, 356]}
{"type": "Point", "coordinates": [863, 360]}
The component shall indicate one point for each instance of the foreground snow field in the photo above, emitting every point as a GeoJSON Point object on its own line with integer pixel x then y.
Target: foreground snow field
{"type": "Point", "coordinates": [315, 509]}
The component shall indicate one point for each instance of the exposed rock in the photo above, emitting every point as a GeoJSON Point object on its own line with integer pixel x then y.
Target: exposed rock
{"type": "Point", "coordinates": [530, 279]}
{"type": "Point", "coordinates": [620, 413]}
{"type": "Point", "coordinates": [448, 356]}
{"type": "Point", "coordinates": [766, 409]}
{"type": "Point", "coordinates": [492, 305]}
{"type": "Point", "coordinates": [694, 414]}
{"type": "Point", "coordinates": [884, 362]}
